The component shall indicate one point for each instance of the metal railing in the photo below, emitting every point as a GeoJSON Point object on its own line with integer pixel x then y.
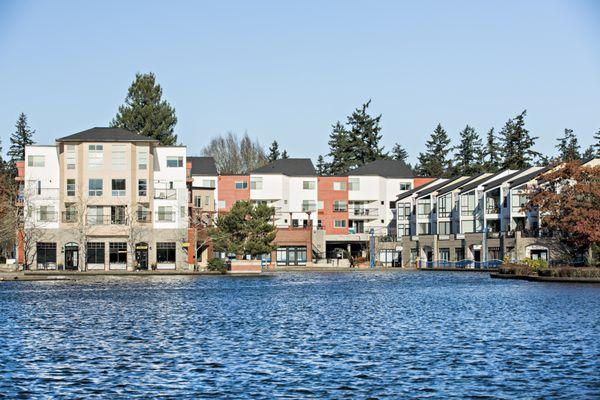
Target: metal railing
{"type": "Point", "coordinates": [365, 212]}
{"type": "Point", "coordinates": [99, 220]}
{"type": "Point", "coordinates": [165, 194]}
{"type": "Point", "coordinates": [466, 264]}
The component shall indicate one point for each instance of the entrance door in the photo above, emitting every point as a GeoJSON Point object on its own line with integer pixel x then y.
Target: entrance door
{"type": "Point", "coordinates": [359, 226]}
{"type": "Point", "coordinates": [477, 255]}
{"type": "Point", "coordinates": [71, 256]}
{"type": "Point", "coordinates": [141, 255]}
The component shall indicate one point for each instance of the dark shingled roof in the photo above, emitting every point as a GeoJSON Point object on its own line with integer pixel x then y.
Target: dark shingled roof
{"type": "Point", "coordinates": [99, 134]}
{"type": "Point", "coordinates": [527, 177]}
{"type": "Point", "coordinates": [433, 188]}
{"type": "Point", "coordinates": [203, 166]}
{"type": "Point", "coordinates": [457, 184]}
{"type": "Point", "coordinates": [416, 190]}
{"type": "Point", "coordinates": [288, 167]}
{"type": "Point", "coordinates": [477, 180]}
{"type": "Point", "coordinates": [497, 182]}
{"type": "Point", "coordinates": [385, 168]}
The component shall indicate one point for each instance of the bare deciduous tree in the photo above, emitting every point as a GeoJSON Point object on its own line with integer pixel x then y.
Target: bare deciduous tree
{"type": "Point", "coordinates": [235, 156]}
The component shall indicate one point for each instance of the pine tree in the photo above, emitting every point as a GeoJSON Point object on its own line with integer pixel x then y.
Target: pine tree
{"type": "Point", "coordinates": [434, 161]}
{"type": "Point", "coordinates": [2, 163]}
{"type": "Point", "coordinates": [364, 136]}
{"type": "Point", "coordinates": [399, 153]}
{"type": "Point", "coordinates": [568, 146]}
{"type": "Point", "coordinates": [340, 150]}
{"type": "Point", "coordinates": [145, 112]}
{"type": "Point", "coordinates": [321, 166]}
{"type": "Point", "coordinates": [492, 153]}
{"type": "Point", "coordinates": [23, 136]}
{"type": "Point", "coordinates": [469, 153]}
{"type": "Point", "coordinates": [284, 155]}
{"type": "Point", "coordinates": [517, 144]}
{"type": "Point", "coordinates": [273, 152]}
{"type": "Point", "coordinates": [596, 145]}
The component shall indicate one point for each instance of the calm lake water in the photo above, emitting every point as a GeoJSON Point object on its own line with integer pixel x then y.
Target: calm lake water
{"type": "Point", "coordinates": [309, 335]}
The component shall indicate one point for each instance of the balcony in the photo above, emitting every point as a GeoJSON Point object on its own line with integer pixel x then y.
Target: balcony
{"type": "Point", "coordinates": [492, 209]}
{"type": "Point", "coordinates": [69, 217]}
{"type": "Point", "coordinates": [144, 216]}
{"type": "Point", "coordinates": [165, 194]}
{"type": "Point", "coordinates": [102, 220]}
{"type": "Point", "coordinates": [364, 212]}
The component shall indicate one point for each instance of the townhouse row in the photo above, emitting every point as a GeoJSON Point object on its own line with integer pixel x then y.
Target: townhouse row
{"type": "Point", "coordinates": [470, 220]}
{"type": "Point", "coordinates": [107, 198]}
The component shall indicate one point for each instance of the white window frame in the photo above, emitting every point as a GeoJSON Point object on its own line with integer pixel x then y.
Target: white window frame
{"type": "Point", "coordinates": [36, 160]}
{"type": "Point", "coordinates": [178, 160]}
{"type": "Point", "coordinates": [95, 156]}
{"type": "Point", "coordinates": [70, 158]}
{"type": "Point", "coordinates": [95, 192]}
{"type": "Point", "coordinates": [118, 155]}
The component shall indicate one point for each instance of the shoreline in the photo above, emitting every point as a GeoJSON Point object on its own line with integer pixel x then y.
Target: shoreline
{"type": "Point", "coordinates": [532, 278]}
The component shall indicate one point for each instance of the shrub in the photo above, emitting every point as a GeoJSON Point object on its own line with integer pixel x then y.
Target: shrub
{"type": "Point", "coordinates": [217, 264]}
{"type": "Point", "coordinates": [536, 265]}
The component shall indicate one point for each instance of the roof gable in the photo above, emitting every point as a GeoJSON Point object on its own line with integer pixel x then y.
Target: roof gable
{"type": "Point", "coordinates": [385, 168]}
{"type": "Point", "coordinates": [203, 166]}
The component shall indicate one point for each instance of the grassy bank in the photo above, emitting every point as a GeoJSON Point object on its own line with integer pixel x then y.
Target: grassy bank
{"type": "Point", "coordinates": [550, 272]}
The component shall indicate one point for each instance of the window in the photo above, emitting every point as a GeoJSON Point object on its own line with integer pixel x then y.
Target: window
{"type": "Point", "coordinates": [70, 214]}
{"type": "Point", "coordinates": [222, 204]}
{"type": "Point", "coordinates": [174, 162]}
{"type": "Point", "coordinates": [256, 183]}
{"type": "Point", "coordinates": [95, 187]}
{"type": "Point", "coordinates": [166, 214]}
{"type": "Point", "coordinates": [308, 185]}
{"type": "Point", "coordinates": [403, 230]}
{"type": "Point", "coordinates": [46, 254]}
{"type": "Point", "coordinates": [321, 205]}
{"type": "Point", "coordinates": [444, 206]}
{"type": "Point", "coordinates": [197, 201]}
{"type": "Point", "coordinates": [468, 226]}
{"type": "Point", "coordinates": [95, 253]}
{"type": "Point", "coordinates": [118, 156]}
{"type": "Point", "coordinates": [444, 255]}
{"type": "Point", "coordinates": [518, 201]}
{"type": "Point", "coordinates": [309, 205]}
{"type": "Point", "coordinates": [340, 205]}
{"type": "Point", "coordinates": [39, 187]}
{"type": "Point", "coordinates": [494, 253]}
{"type": "Point", "coordinates": [405, 210]}
{"type": "Point", "coordinates": [405, 186]}
{"type": "Point", "coordinates": [339, 223]}
{"type": "Point", "coordinates": [209, 183]}
{"type": "Point", "coordinates": [118, 215]}
{"type": "Point", "coordinates": [70, 156]}
{"type": "Point", "coordinates": [36, 161]}
{"type": "Point", "coordinates": [95, 155]}
{"type": "Point", "coordinates": [339, 185]}
{"type": "Point", "coordinates": [47, 214]}
{"type": "Point", "coordinates": [70, 187]}
{"type": "Point", "coordinates": [444, 228]}
{"type": "Point", "coordinates": [142, 158]}
{"type": "Point", "coordinates": [143, 212]}
{"type": "Point", "coordinates": [95, 215]}
{"type": "Point", "coordinates": [424, 228]}
{"type": "Point", "coordinates": [117, 253]}
{"type": "Point", "coordinates": [241, 185]}
{"type": "Point", "coordinates": [467, 204]}
{"type": "Point", "coordinates": [118, 187]}
{"type": "Point", "coordinates": [353, 184]}
{"type": "Point", "coordinates": [459, 254]}
{"type": "Point", "coordinates": [389, 257]}
{"type": "Point", "coordinates": [165, 252]}
{"type": "Point", "coordinates": [142, 187]}
{"type": "Point", "coordinates": [423, 208]}
{"type": "Point", "coordinates": [206, 200]}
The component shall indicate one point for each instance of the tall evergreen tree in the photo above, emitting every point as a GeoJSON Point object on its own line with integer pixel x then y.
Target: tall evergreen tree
{"type": "Point", "coordinates": [434, 161]}
{"type": "Point", "coordinates": [145, 112]}
{"type": "Point", "coordinates": [273, 152]}
{"type": "Point", "coordinates": [568, 146]}
{"type": "Point", "coordinates": [364, 133]}
{"type": "Point", "coordinates": [469, 153]}
{"type": "Point", "coordinates": [492, 153]}
{"type": "Point", "coordinates": [517, 144]}
{"type": "Point", "coordinates": [596, 145]}
{"type": "Point", "coordinates": [284, 155]}
{"type": "Point", "coordinates": [340, 150]}
{"type": "Point", "coordinates": [2, 163]}
{"type": "Point", "coordinates": [23, 136]}
{"type": "Point", "coordinates": [321, 166]}
{"type": "Point", "coordinates": [399, 153]}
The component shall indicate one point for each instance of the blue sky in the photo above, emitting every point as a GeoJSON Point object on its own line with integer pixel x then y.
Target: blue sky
{"type": "Point", "coordinates": [289, 70]}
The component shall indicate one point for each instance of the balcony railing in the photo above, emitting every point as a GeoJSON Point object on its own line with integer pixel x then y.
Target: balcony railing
{"type": "Point", "coordinates": [165, 194]}
{"type": "Point", "coordinates": [365, 212]}
{"type": "Point", "coordinates": [492, 209]}
{"type": "Point", "coordinates": [95, 220]}
{"type": "Point", "coordinates": [144, 216]}
{"type": "Point", "coordinates": [69, 216]}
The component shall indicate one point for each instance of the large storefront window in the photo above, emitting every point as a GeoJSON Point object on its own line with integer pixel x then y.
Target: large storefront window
{"type": "Point", "coordinates": [389, 257]}
{"type": "Point", "coordinates": [95, 253]}
{"type": "Point", "coordinates": [165, 252]}
{"type": "Point", "coordinates": [291, 255]}
{"type": "Point", "coordinates": [46, 255]}
{"type": "Point", "coordinates": [117, 253]}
